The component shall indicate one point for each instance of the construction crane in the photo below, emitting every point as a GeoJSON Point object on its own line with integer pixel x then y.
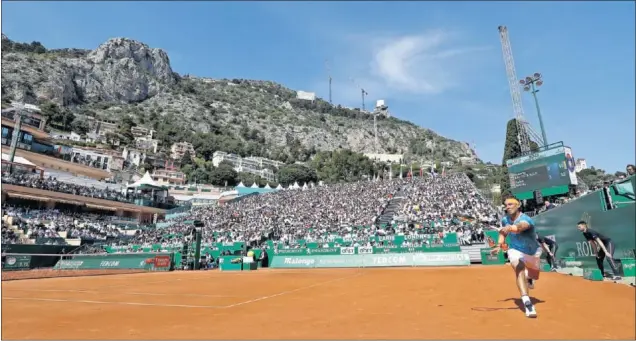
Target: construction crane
{"type": "Point", "coordinates": [328, 69]}
{"type": "Point", "coordinates": [364, 92]}
{"type": "Point", "coordinates": [525, 132]}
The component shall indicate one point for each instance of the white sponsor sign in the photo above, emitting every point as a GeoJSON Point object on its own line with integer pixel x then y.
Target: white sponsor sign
{"type": "Point", "coordinates": [365, 250]}
{"type": "Point", "coordinates": [347, 250]}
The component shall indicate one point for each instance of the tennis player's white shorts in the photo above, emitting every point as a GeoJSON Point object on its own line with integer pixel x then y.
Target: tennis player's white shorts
{"type": "Point", "coordinates": [531, 261]}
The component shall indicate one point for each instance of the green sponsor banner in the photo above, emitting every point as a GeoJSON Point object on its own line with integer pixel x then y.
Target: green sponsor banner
{"type": "Point", "coordinates": [142, 261]}
{"type": "Point", "coordinates": [560, 223]}
{"type": "Point", "coordinates": [372, 260]}
{"type": "Point", "coordinates": [419, 249]}
{"type": "Point", "coordinates": [309, 251]}
{"type": "Point", "coordinates": [333, 251]}
{"type": "Point", "coordinates": [17, 262]}
{"type": "Point", "coordinates": [487, 258]}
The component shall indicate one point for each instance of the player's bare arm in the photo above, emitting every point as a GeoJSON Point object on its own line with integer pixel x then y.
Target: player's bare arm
{"type": "Point", "coordinates": [519, 227]}
{"type": "Point", "coordinates": [501, 243]}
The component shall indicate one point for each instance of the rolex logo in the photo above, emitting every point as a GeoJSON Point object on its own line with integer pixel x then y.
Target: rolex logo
{"type": "Point", "coordinates": [586, 217]}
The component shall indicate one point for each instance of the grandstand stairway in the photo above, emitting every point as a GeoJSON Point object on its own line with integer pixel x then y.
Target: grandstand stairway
{"type": "Point", "coordinates": [473, 252]}
{"type": "Point", "coordinates": [391, 209]}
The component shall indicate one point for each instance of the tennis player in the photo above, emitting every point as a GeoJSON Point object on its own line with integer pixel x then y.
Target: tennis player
{"type": "Point", "coordinates": [524, 252]}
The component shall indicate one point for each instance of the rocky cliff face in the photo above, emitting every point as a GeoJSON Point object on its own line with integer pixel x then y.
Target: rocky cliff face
{"type": "Point", "coordinates": [120, 71]}
{"type": "Point", "coordinates": [123, 77]}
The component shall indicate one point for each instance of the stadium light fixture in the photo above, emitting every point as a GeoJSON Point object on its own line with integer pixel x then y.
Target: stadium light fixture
{"type": "Point", "coordinates": [530, 84]}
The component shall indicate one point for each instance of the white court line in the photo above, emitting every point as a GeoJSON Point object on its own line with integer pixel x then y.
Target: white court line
{"type": "Point", "coordinates": [292, 291]}
{"type": "Point", "coordinates": [106, 302]}
{"type": "Point", "coordinates": [182, 305]}
{"type": "Point", "coordinates": [118, 293]}
{"type": "Point", "coordinates": [138, 283]}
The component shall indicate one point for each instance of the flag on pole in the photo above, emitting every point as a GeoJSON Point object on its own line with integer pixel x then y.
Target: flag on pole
{"type": "Point", "coordinates": [411, 172]}
{"type": "Point", "coordinates": [443, 170]}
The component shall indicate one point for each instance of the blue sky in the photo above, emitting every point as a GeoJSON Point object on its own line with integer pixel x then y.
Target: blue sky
{"type": "Point", "coordinates": [438, 64]}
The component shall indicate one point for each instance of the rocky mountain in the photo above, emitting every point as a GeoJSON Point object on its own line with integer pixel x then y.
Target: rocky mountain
{"type": "Point", "coordinates": [126, 80]}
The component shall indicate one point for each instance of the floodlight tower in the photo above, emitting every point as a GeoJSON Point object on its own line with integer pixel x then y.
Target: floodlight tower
{"type": "Point", "coordinates": [530, 84]}
{"type": "Point", "coordinates": [524, 129]}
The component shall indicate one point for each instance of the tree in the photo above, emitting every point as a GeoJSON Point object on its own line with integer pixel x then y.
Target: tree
{"type": "Point", "coordinates": [59, 118]}
{"type": "Point", "coordinates": [124, 131]}
{"type": "Point", "coordinates": [186, 159]}
{"type": "Point", "coordinates": [79, 126]}
{"type": "Point", "coordinates": [223, 174]}
{"type": "Point", "coordinates": [147, 167]}
{"type": "Point", "coordinates": [290, 174]}
{"type": "Point", "coordinates": [248, 179]}
{"type": "Point", "coordinates": [512, 150]}
{"type": "Point", "coordinates": [595, 176]}
{"type": "Point", "coordinates": [342, 165]}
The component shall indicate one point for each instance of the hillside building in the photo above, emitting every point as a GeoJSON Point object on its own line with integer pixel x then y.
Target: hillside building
{"type": "Point", "coordinates": [177, 150]}
{"type": "Point", "coordinates": [32, 136]}
{"type": "Point", "coordinates": [253, 165]}
{"type": "Point", "coordinates": [580, 165]}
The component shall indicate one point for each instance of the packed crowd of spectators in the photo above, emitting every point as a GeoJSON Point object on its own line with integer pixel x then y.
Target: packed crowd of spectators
{"type": "Point", "coordinates": [431, 205]}
{"type": "Point", "coordinates": [450, 204]}
{"type": "Point", "coordinates": [52, 184]}
{"type": "Point", "coordinates": [44, 226]}
{"type": "Point", "coordinates": [290, 215]}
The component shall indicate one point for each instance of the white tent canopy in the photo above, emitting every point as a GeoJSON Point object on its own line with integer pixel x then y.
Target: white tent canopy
{"type": "Point", "coordinates": [18, 159]}
{"type": "Point", "coordinates": [279, 186]}
{"type": "Point", "coordinates": [296, 186]}
{"type": "Point", "coordinates": [240, 184]}
{"type": "Point", "coordinates": [145, 180]}
{"type": "Point", "coordinates": [254, 185]}
{"type": "Point", "coordinates": [305, 186]}
{"type": "Point", "coordinates": [267, 186]}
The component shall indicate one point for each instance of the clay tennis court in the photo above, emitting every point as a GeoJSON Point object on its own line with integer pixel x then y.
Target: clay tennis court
{"type": "Point", "coordinates": [397, 303]}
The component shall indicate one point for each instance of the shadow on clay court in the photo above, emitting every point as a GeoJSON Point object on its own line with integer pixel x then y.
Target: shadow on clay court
{"type": "Point", "coordinates": [517, 301]}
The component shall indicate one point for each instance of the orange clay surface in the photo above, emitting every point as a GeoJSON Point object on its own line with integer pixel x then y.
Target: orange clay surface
{"type": "Point", "coordinates": [475, 302]}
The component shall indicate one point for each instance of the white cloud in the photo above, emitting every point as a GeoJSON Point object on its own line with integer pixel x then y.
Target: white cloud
{"type": "Point", "coordinates": [401, 66]}
{"type": "Point", "coordinates": [421, 64]}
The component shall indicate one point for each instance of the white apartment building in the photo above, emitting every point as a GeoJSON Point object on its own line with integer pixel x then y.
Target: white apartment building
{"type": "Point", "coordinates": [177, 150]}
{"type": "Point", "coordinates": [253, 165]}
{"type": "Point", "coordinates": [102, 128]}
{"type": "Point", "coordinates": [72, 136]}
{"type": "Point", "coordinates": [134, 156]}
{"type": "Point", "coordinates": [580, 165]}
{"type": "Point", "coordinates": [168, 177]}
{"type": "Point", "coordinates": [96, 158]}
{"type": "Point", "coordinates": [388, 158]}
{"type": "Point", "coordinates": [142, 132]}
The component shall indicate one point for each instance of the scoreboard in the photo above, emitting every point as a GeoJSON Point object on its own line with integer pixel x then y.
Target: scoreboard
{"type": "Point", "coordinates": [551, 171]}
